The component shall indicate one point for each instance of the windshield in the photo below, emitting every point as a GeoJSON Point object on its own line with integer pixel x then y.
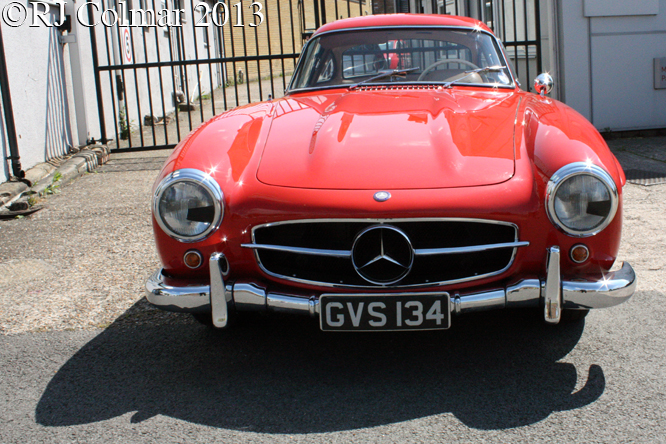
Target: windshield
{"type": "Point", "coordinates": [405, 55]}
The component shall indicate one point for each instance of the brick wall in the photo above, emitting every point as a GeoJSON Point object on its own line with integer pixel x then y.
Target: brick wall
{"type": "Point", "coordinates": [280, 33]}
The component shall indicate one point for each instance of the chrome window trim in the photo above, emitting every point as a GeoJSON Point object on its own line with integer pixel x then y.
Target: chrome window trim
{"type": "Point", "coordinates": [200, 178]}
{"type": "Point", "coordinates": [501, 52]}
{"type": "Point", "coordinates": [577, 169]}
{"type": "Point", "coordinates": [516, 242]}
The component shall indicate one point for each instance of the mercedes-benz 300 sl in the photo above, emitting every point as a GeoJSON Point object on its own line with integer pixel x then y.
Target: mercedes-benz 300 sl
{"type": "Point", "coordinates": [405, 178]}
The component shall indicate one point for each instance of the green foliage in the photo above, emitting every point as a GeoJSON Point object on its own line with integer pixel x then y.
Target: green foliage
{"type": "Point", "coordinates": [54, 187]}
{"type": "Point", "coordinates": [124, 125]}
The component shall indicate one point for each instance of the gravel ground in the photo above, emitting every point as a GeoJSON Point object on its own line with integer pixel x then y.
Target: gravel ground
{"type": "Point", "coordinates": [81, 262]}
{"type": "Point", "coordinates": [85, 359]}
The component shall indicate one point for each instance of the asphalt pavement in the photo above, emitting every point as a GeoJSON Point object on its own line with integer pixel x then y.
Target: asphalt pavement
{"type": "Point", "coordinates": [83, 357]}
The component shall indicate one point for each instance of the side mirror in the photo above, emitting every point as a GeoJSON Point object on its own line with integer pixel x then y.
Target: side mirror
{"type": "Point", "coordinates": [543, 84]}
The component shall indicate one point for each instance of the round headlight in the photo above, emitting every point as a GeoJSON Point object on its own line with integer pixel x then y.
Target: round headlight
{"type": "Point", "coordinates": [581, 199]}
{"type": "Point", "coordinates": [188, 205]}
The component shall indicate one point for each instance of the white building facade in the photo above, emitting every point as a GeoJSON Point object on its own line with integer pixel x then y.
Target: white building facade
{"type": "Point", "coordinates": [606, 51]}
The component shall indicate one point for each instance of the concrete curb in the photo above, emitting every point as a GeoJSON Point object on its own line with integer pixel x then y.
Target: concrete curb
{"type": "Point", "coordinates": [42, 175]}
{"type": "Point", "coordinates": [85, 161]}
{"type": "Point", "coordinates": [9, 190]}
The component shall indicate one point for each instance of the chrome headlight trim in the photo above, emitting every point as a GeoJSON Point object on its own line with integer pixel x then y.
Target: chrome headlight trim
{"type": "Point", "coordinates": [577, 169]}
{"type": "Point", "coordinates": [199, 178]}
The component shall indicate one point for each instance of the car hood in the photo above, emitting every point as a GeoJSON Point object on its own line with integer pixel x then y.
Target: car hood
{"type": "Point", "coordinates": [382, 139]}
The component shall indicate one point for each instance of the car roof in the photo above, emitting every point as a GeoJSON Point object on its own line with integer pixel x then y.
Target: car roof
{"type": "Point", "coordinates": [387, 20]}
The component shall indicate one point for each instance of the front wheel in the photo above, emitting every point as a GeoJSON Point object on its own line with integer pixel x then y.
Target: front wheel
{"type": "Point", "coordinates": [573, 316]}
{"type": "Point", "coordinates": [204, 319]}
{"type": "Point", "coordinates": [235, 319]}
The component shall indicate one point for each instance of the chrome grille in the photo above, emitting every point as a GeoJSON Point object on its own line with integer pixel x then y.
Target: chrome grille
{"type": "Point", "coordinates": [330, 252]}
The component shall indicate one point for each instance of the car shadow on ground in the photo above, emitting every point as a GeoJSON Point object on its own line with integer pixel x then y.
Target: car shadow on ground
{"type": "Point", "coordinates": [281, 374]}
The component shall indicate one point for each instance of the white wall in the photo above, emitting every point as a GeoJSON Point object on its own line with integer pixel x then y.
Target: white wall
{"type": "Point", "coordinates": [606, 62]}
{"type": "Point", "coordinates": [35, 70]}
{"type": "Point", "coordinates": [156, 47]}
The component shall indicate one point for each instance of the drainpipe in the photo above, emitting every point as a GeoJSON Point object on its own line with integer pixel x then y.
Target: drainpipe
{"type": "Point", "coordinates": [9, 114]}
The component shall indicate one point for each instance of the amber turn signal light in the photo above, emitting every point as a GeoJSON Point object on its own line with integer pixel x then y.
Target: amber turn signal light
{"type": "Point", "coordinates": [193, 259]}
{"type": "Point", "coordinates": [579, 253]}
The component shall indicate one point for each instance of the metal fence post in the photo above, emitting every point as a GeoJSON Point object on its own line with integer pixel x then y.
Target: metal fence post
{"type": "Point", "coordinates": [8, 110]}
{"type": "Point", "coordinates": [78, 89]}
{"type": "Point", "coordinates": [98, 88]}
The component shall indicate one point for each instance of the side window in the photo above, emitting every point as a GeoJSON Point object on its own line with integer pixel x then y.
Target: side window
{"type": "Point", "coordinates": [305, 76]}
{"type": "Point", "coordinates": [327, 73]}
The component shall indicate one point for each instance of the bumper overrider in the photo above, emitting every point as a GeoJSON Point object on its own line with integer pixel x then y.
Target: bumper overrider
{"type": "Point", "coordinates": [552, 293]}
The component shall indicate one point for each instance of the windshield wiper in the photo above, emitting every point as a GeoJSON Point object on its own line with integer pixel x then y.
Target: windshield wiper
{"type": "Point", "coordinates": [495, 68]}
{"type": "Point", "coordinates": [383, 74]}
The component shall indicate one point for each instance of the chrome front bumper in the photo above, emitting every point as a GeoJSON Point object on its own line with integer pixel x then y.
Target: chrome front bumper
{"type": "Point", "coordinates": [552, 293]}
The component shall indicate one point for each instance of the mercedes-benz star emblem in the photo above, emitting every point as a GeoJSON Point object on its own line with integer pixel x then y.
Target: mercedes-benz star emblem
{"type": "Point", "coordinates": [382, 254]}
{"type": "Point", "coordinates": [382, 196]}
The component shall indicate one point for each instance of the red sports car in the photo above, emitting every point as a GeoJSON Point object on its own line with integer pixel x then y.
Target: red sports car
{"type": "Point", "coordinates": [404, 178]}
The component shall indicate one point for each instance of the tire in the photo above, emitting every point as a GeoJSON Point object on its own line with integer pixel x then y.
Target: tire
{"type": "Point", "coordinates": [204, 319]}
{"type": "Point", "coordinates": [573, 316]}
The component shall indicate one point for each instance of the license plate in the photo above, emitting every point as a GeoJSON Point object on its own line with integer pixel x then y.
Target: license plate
{"type": "Point", "coordinates": [384, 312]}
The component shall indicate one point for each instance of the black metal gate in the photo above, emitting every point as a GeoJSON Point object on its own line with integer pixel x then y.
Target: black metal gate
{"type": "Point", "coordinates": [516, 22]}
{"type": "Point", "coordinates": [162, 67]}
